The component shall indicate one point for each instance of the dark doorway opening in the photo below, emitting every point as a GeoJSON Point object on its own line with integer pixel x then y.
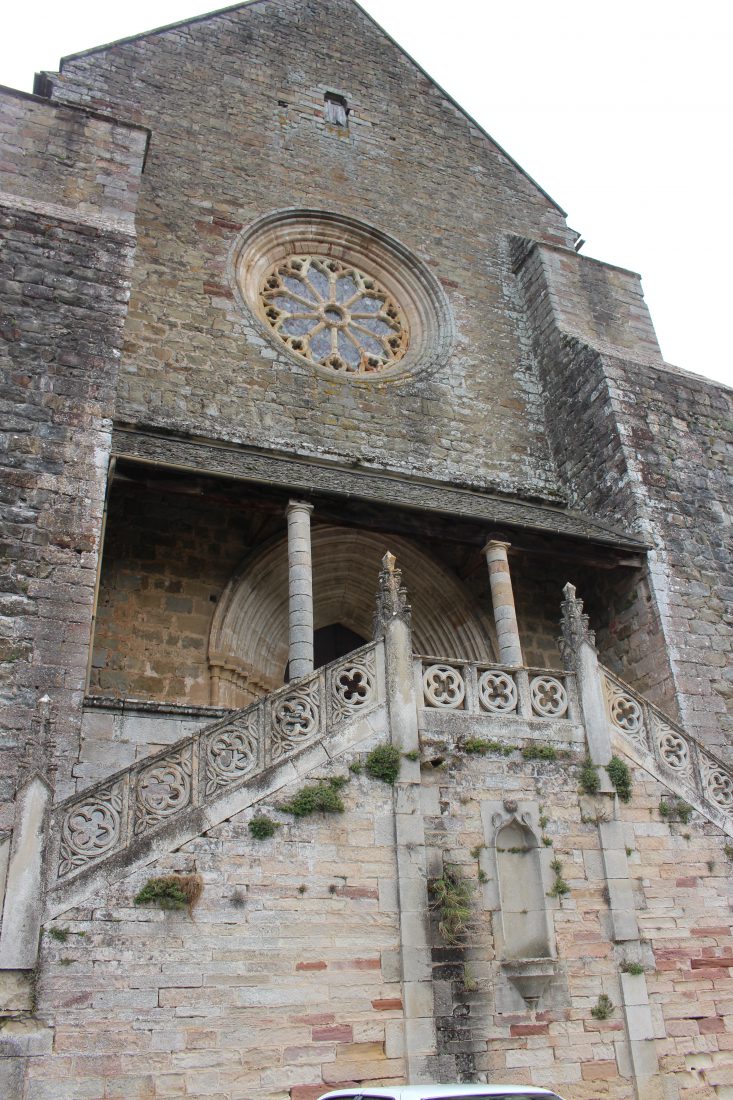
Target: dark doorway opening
{"type": "Point", "coordinates": [334, 641]}
{"type": "Point", "coordinates": [330, 643]}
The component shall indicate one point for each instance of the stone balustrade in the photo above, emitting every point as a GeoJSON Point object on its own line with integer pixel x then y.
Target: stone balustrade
{"type": "Point", "coordinates": [127, 811]}
{"type": "Point", "coordinates": [130, 807]}
{"type": "Point", "coordinates": [468, 687]}
{"type": "Point", "coordinates": [678, 760]}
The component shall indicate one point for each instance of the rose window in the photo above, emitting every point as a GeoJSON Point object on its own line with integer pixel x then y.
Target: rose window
{"type": "Point", "coordinates": [333, 314]}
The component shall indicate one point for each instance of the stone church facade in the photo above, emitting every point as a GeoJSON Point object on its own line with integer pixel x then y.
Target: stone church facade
{"type": "Point", "coordinates": [366, 598]}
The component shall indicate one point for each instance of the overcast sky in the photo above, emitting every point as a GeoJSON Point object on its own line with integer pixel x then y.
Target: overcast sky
{"type": "Point", "coordinates": [622, 111]}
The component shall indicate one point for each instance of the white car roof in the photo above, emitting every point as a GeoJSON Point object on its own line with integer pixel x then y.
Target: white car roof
{"type": "Point", "coordinates": [433, 1092]}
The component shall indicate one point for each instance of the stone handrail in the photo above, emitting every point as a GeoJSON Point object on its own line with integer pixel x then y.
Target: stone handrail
{"type": "Point", "coordinates": [128, 809]}
{"type": "Point", "coordinates": [470, 687]}
{"type": "Point", "coordinates": [678, 760]}
{"type": "Point", "coordinates": [126, 813]}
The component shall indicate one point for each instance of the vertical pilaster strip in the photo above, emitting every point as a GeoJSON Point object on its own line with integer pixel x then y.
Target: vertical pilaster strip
{"type": "Point", "coordinates": [393, 620]}
{"type": "Point", "coordinates": [23, 905]}
{"type": "Point", "coordinates": [635, 1004]}
{"type": "Point", "coordinates": [502, 598]}
{"type": "Point", "coordinates": [300, 589]}
{"type": "Point", "coordinates": [577, 645]}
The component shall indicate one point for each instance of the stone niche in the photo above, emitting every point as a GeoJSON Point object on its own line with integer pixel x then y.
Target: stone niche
{"type": "Point", "coordinates": [518, 878]}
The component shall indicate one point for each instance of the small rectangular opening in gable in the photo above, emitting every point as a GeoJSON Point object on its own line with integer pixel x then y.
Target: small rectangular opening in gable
{"type": "Point", "coordinates": [335, 109]}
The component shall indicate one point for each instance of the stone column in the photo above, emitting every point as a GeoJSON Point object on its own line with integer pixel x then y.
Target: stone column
{"type": "Point", "coordinates": [300, 589]}
{"type": "Point", "coordinates": [502, 597]}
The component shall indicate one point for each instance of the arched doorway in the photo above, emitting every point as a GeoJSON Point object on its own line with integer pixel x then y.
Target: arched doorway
{"type": "Point", "coordinates": [248, 642]}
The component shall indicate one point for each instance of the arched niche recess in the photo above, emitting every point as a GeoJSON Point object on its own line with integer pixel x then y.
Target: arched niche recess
{"type": "Point", "coordinates": [523, 903]}
{"type": "Point", "coordinates": [248, 642]}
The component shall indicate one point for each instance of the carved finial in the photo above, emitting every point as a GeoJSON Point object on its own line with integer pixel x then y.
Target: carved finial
{"type": "Point", "coordinates": [391, 597]}
{"type": "Point", "coordinates": [575, 626]}
{"type": "Point", "coordinates": [36, 757]}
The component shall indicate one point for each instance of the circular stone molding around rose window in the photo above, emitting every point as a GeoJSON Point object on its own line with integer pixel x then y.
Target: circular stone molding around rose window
{"type": "Point", "coordinates": [341, 296]}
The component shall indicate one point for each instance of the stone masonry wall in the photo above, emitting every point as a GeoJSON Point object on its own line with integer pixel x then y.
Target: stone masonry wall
{"type": "Point", "coordinates": [70, 161]}
{"type": "Point", "coordinates": [285, 976]}
{"type": "Point", "coordinates": [166, 562]}
{"type": "Point", "coordinates": [679, 430]}
{"type": "Point", "coordinates": [69, 183]}
{"type": "Point", "coordinates": [641, 443]}
{"type": "Point", "coordinates": [284, 980]}
{"type": "Point", "coordinates": [250, 85]}
{"type": "Point", "coordinates": [680, 877]}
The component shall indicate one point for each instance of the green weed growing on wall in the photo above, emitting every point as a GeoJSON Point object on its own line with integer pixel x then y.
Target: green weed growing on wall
{"type": "Point", "coordinates": [451, 896]}
{"type": "Point", "coordinates": [383, 763]}
{"type": "Point", "coordinates": [620, 775]}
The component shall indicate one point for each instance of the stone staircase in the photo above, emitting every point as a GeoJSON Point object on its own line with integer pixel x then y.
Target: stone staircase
{"type": "Point", "coordinates": [653, 741]}
{"type": "Point", "coordinates": [142, 812]}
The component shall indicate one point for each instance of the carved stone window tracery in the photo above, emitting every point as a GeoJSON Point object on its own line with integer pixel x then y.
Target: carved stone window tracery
{"type": "Point", "coordinates": [341, 296]}
{"type": "Point", "coordinates": [92, 828]}
{"type": "Point", "coordinates": [163, 789]}
{"type": "Point", "coordinates": [444, 687]}
{"type": "Point", "coordinates": [333, 314]}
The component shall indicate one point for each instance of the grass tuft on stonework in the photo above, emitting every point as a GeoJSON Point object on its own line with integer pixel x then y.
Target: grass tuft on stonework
{"type": "Point", "coordinates": [468, 981]}
{"type": "Point", "coordinates": [547, 753]}
{"type": "Point", "coordinates": [383, 763]}
{"type": "Point", "coordinates": [262, 827]}
{"type": "Point", "coordinates": [559, 887]}
{"type": "Point", "coordinates": [451, 896]}
{"type": "Point", "coordinates": [620, 775]}
{"type": "Point", "coordinates": [588, 778]}
{"type": "Point", "coordinates": [480, 746]}
{"type": "Point", "coordinates": [676, 810]}
{"type": "Point", "coordinates": [321, 798]}
{"type": "Point", "coordinates": [603, 1007]}
{"type": "Point", "coordinates": [171, 892]}
{"type": "Point", "coordinates": [684, 811]}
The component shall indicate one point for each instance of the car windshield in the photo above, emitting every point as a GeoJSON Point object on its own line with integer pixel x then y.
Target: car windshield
{"type": "Point", "coordinates": [496, 1096]}
{"type": "Point", "coordinates": [464, 1096]}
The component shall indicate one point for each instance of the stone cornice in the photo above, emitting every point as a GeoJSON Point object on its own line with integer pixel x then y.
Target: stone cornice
{"type": "Point", "coordinates": [310, 476]}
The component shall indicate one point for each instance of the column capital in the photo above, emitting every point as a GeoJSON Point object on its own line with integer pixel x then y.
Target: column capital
{"type": "Point", "coordinates": [495, 541]}
{"type": "Point", "coordinates": [298, 506]}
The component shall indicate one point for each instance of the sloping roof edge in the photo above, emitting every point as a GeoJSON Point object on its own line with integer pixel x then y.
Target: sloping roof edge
{"type": "Point", "coordinates": [387, 35]}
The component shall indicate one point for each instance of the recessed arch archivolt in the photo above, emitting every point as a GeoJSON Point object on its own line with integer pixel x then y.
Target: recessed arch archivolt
{"type": "Point", "coordinates": [248, 642]}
